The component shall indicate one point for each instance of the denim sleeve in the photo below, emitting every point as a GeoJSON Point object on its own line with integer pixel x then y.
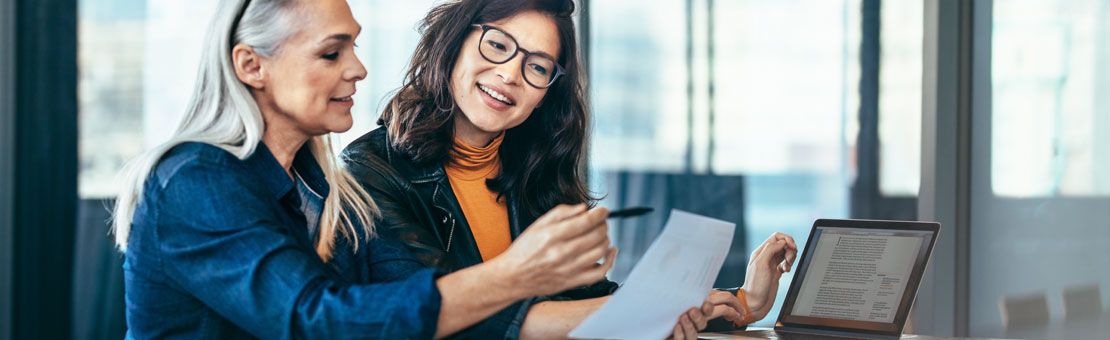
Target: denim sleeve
{"type": "Point", "coordinates": [391, 260]}
{"type": "Point", "coordinates": [222, 241]}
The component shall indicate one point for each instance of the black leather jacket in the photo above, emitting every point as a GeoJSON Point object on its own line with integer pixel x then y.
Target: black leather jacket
{"type": "Point", "coordinates": [418, 205]}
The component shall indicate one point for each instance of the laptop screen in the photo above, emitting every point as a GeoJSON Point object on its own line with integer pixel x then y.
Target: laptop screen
{"type": "Point", "coordinates": [858, 276]}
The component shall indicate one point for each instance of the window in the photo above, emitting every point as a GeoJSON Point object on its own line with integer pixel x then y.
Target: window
{"type": "Point", "coordinates": [111, 43]}
{"type": "Point", "coordinates": [1049, 77]}
{"type": "Point", "coordinates": [784, 86]}
{"type": "Point", "coordinates": [638, 85]}
{"type": "Point", "coordinates": [900, 97]}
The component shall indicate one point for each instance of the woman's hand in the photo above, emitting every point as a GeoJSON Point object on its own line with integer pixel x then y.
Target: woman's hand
{"type": "Point", "coordinates": [718, 304]}
{"type": "Point", "coordinates": [726, 305]}
{"type": "Point", "coordinates": [559, 251]}
{"type": "Point", "coordinates": [768, 262]}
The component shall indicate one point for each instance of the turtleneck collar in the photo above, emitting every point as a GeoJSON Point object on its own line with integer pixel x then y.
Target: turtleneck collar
{"type": "Point", "coordinates": [471, 162]}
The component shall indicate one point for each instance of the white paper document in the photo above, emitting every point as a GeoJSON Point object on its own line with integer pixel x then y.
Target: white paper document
{"type": "Point", "coordinates": [675, 274]}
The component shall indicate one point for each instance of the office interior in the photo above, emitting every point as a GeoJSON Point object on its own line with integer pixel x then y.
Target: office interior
{"type": "Point", "coordinates": [988, 116]}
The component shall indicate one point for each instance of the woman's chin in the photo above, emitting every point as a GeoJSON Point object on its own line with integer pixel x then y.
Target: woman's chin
{"type": "Point", "coordinates": [341, 124]}
{"type": "Point", "coordinates": [341, 129]}
{"type": "Point", "coordinates": [494, 125]}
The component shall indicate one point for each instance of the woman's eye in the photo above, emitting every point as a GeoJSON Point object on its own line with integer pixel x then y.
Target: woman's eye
{"type": "Point", "coordinates": [538, 69]}
{"type": "Point", "coordinates": [497, 45]}
{"type": "Point", "coordinates": [331, 56]}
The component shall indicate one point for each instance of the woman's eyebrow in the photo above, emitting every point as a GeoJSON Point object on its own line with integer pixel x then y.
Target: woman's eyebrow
{"type": "Point", "coordinates": [518, 45]}
{"type": "Point", "coordinates": [542, 53]}
{"type": "Point", "coordinates": [343, 37]}
{"type": "Point", "coordinates": [339, 36]}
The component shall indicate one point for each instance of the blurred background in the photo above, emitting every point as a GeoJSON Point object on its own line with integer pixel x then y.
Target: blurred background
{"type": "Point", "coordinates": [988, 116]}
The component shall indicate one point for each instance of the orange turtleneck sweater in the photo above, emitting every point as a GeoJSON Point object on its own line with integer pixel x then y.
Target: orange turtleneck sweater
{"type": "Point", "coordinates": [467, 169]}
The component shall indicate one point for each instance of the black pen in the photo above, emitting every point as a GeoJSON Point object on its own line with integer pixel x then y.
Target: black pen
{"type": "Point", "coordinates": [629, 212]}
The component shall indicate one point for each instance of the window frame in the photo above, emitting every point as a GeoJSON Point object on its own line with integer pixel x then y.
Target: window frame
{"type": "Point", "coordinates": [867, 200]}
{"type": "Point", "coordinates": [7, 143]}
{"type": "Point", "coordinates": [951, 58]}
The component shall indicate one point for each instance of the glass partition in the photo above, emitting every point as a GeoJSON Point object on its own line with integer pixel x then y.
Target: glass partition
{"type": "Point", "coordinates": [1040, 171]}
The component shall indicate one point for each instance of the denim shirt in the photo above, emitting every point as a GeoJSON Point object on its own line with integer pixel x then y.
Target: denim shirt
{"type": "Point", "coordinates": [220, 248]}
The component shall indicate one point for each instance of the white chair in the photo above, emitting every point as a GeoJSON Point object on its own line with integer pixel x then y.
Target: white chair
{"type": "Point", "coordinates": [1082, 302]}
{"type": "Point", "coordinates": [1024, 311]}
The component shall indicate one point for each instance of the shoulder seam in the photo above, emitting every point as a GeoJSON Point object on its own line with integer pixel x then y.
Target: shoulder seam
{"type": "Point", "coordinates": [206, 154]}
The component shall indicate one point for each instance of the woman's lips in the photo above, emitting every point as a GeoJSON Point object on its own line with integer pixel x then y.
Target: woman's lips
{"type": "Point", "coordinates": [492, 102]}
{"type": "Point", "coordinates": [343, 101]}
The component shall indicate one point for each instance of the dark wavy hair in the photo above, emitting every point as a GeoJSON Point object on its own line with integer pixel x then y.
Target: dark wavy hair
{"type": "Point", "coordinates": [541, 157]}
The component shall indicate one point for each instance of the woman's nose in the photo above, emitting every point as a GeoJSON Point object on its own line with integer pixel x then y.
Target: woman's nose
{"type": "Point", "coordinates": [357, 72]}
{"type": "Point", "coordinates": [509, 71]}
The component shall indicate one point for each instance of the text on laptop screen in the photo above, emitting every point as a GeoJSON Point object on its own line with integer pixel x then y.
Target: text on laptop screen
{"type": "Point", "coordinates": [859, 274]}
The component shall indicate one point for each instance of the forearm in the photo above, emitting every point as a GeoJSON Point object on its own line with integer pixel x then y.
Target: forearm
{"type": "Point", "coordinates": [555, 319]}
{"type": "Point", "coordinates": [473, 294]}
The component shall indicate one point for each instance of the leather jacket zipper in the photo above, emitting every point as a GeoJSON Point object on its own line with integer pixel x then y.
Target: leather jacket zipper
{"type": "Point", "coordinates": [450, 235]}
{"type": "Point", "coordinates": [446, 216]}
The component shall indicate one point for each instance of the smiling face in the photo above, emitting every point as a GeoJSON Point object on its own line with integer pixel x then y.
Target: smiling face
{"type": "Point", "coordinates": [495, 97]}
{"type": "Point", "coordinates": [309, 83]}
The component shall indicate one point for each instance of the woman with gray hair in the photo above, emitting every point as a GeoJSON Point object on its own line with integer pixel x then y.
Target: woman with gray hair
{"type": "Point", "coordinates": [244, 224]}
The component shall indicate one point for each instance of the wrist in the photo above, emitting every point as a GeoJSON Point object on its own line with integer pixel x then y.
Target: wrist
{"type": "Point", "coordinates": [754, 302]}
{"type": "Point", "coordinates": [506, 277]}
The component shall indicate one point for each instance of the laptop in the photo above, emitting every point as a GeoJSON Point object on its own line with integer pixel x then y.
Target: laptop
{"type": "Point", "coordinates": [856, 279]}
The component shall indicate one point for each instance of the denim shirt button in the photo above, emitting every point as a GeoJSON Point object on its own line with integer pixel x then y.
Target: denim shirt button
{"type": "Point", "coordinates": [444, 219]}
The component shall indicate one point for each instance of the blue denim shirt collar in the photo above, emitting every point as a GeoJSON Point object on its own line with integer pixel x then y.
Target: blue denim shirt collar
{"type": "Point", "coordinates": [263, 163]}
{"type": "Point", "coordinates": [305, 164]}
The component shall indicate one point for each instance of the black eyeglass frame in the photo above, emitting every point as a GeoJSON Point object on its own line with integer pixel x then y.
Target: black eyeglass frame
{"type": "Point", "coordinates": [559, 70]}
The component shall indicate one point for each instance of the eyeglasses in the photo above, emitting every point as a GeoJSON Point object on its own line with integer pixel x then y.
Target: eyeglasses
{"type": "Point", "coordinates": [539, 69]}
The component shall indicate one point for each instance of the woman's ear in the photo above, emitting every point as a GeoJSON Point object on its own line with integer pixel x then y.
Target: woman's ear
{"type": "Point", "coordinates": [248, 67]}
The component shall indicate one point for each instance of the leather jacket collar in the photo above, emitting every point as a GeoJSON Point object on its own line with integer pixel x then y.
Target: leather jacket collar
{"type": "Point", "coordinates": [428, 193]}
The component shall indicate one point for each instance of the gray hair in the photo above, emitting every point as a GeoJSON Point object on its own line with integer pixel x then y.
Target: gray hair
{"type": "Point", "coordinates": [223, 113]}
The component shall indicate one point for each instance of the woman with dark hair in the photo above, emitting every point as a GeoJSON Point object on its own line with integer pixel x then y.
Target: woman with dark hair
{"type": "Point", "coordinates": [488, 133]}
